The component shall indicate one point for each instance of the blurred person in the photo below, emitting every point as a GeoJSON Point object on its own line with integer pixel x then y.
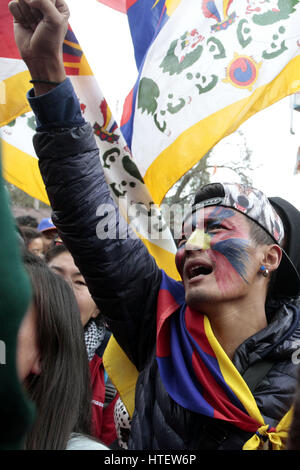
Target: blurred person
{"type": "Point", "coordinates": [52, 364]}
{"type": "Point", "coordinates": [27, 221]}
{"type": "Point", "coordinates": [16, 410]}
{"type": "Point", "coordinates": [48, 232]}
{"type": "Point", "coordinates": [215, 369]}
{"type": "Point", "coordinates": [105, 396]}
{"type": "Point", "coordinates": [33, 240]}
{"type": "Point", "coordinates": [60, 260]}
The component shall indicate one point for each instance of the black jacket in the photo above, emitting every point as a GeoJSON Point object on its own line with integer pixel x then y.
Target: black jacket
{"type": "Point", "coordinates": [124, 281]}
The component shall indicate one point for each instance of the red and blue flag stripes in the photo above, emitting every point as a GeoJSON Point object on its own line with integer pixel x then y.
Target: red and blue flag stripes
{"type": "Point", "coordinates": [189, 368]}
{"type": "Point", "coordinates": [146, 18]}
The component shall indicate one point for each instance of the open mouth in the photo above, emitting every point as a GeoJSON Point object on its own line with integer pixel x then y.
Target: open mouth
{"type": "Point", "coordinates": [199, 271]}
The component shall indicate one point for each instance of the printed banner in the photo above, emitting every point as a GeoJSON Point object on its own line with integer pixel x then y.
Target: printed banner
{"type": "Point", "coordinates": [204, 68]}
{"type": "Point", "coordinates": [14, 76]}
{"type": "Point", "coordinates": [20, 164]}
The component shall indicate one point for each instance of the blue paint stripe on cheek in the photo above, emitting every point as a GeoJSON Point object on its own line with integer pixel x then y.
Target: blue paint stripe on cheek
{"type": "Point", "coordinates": [236, 251]}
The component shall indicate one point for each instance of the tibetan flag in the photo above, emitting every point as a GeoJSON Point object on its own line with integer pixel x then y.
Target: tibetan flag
{"type": "Point", "coordinates": [204, 67]}
{"type": "Point", "coordinates": [20, 165]}
{"type": "Point", "coordinates": [14, 76]}
{"type": "Point", "coordinates": [119, 5]}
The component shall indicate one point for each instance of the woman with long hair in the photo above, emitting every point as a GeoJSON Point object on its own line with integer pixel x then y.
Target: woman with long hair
{"type": "Point", "coordinates": [110, 420]}
{"type": "Point", "coordinates": [53, 364]}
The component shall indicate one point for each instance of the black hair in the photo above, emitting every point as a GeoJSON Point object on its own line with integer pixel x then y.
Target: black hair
{"type": "Point", "coordinates": [27, 221]}
{"type": "Point", "coordinates": [285, 221]}
{"type": "Point", "coordinates": [62, 391]}
{"type": "Point", "coordinates": [55, 250]}
{"type": "Point", "coordinates": [29, 234]}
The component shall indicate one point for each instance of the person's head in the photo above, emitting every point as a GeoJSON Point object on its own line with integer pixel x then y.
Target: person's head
{"type": "Point", "coordinates": [33, 240]}
{"type": "Point", "coordinates": [27, 221]}
{"type": "Point", "coordinates": [60, 260]}
{"type": "Point", "coordinates": [48, 232]}
{"type": "Point", "coordinates": [52, 360]}
{"type": "Point", "coordinates": [230, 247]}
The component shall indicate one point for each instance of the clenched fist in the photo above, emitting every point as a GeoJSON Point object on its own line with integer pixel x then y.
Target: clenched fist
{"type": "Point", "coordinates": [40, 27]}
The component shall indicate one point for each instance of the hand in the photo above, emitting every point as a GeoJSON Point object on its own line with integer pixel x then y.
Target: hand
{"type": "Point", "coordinates": [40, 27]}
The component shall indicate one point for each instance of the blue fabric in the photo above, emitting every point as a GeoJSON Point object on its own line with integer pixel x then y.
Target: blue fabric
{"type": "Point", "coordinates": [59, 108]}
{"type": "Point", "coordinates": [181, 350]}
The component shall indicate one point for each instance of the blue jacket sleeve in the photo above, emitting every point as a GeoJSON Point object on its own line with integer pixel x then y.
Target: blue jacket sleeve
{"type": "Point", "coordinates": [122, 276]}
{"type": "Point", "coordinates": [59, 108]}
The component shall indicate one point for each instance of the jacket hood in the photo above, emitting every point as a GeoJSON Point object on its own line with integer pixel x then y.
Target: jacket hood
{"type": "Point", "coordinates": [291, 220]}
{"type": "Point", "coordinates": [279, 339]}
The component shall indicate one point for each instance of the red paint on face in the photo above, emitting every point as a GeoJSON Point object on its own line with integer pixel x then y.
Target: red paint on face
{"type": "Point", "coordinates": [220, 224]}
{"type": "Point", "coordinates": [225, 274]}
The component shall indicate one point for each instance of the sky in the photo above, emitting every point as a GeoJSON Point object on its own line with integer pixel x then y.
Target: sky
{"type": "Point", "coordinates": [105, 38]}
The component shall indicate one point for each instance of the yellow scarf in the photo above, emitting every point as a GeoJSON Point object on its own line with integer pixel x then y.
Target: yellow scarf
{"type": "Point", "coordinates": [265, 438]}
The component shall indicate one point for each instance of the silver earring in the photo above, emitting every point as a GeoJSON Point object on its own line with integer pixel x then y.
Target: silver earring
{"type": "Point", "coordinates": [264, 271]}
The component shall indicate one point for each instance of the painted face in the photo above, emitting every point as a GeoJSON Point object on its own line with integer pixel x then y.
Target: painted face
{"type": "Point", "coordinates": [64, 265]}
{"type": "Point", "coordinates": [215, 254]}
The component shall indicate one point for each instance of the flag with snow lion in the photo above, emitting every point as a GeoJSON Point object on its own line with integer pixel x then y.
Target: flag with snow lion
{"type": "Point", "coordinates": [208, 67]}
{"type": "Point", "coordinates": [20, 163]}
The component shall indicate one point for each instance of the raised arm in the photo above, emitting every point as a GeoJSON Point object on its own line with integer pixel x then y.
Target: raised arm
{"type": "Point", "coordinates": [121, 275]}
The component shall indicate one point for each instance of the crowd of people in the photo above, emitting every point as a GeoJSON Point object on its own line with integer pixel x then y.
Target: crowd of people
{"type": "Point", "coordinates": [64, 323]}
{"type": "Point", "coordinates": [215, 353]}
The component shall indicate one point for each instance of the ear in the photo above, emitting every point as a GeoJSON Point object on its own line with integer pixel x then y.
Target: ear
{"type": "Point", "coordinates": [272, 257]}
{"type": "Point", "coordinates": [36, 368]}
{"type": "Point", "coordinates": [95, 313]}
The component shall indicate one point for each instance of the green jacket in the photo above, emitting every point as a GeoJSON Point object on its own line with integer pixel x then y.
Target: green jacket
{"type": "Point", "coordinates": [16, 412]}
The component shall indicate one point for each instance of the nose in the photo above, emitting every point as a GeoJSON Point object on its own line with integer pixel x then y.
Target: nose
{"type": "Point", "coordinates": [198, 240]}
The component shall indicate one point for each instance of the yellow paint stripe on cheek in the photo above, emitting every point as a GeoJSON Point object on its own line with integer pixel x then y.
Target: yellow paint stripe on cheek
{"type": "Point", "coordinates": [198, 239]}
